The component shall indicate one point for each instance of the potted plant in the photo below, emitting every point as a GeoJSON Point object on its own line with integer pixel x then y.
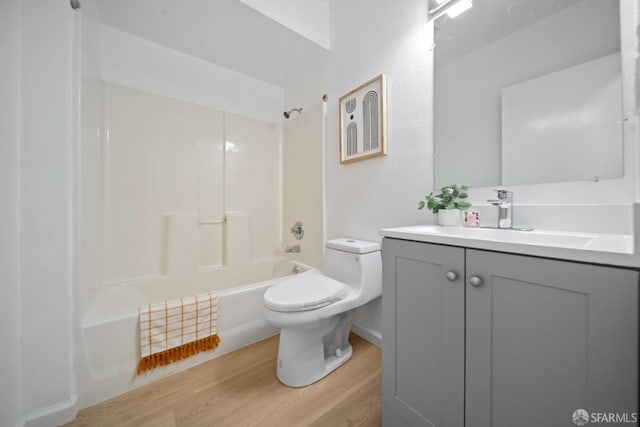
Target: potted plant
{"type": "Point", "coordinates": [447, 204]}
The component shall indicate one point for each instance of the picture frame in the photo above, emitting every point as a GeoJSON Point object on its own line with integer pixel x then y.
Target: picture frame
{"type": "Point", "coordinates": [363, 121]}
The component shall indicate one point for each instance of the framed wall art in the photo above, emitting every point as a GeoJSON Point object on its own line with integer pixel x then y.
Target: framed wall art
{"type": "Point", "coordinates": [363, 122]}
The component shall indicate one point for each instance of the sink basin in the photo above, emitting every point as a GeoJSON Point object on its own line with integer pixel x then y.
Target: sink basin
{"type": "Point", "coordinates": [533, 237]}
{"type": "Point", "coordinates": [546, 238]}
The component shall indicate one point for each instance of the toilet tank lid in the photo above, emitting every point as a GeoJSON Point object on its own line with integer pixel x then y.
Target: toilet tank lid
{"type": "Point", "coordinates": [353, 245]}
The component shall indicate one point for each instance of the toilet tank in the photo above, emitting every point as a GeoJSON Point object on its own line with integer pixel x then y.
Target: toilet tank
{"type": "Point", "coordinates": [357, 263]}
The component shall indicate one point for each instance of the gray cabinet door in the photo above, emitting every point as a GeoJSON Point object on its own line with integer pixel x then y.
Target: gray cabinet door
{"type": "Point", "coordinates": [545, 338]}
{"type": "Point", "coordinates": [423, 334]}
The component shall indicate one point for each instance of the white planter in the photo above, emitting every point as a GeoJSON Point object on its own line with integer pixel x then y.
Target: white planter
{"type": "Point", "coordinates": [449, 217]}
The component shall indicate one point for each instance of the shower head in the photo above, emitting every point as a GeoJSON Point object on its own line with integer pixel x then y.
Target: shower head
{"type": "Point", "coordinates": [287, 114]}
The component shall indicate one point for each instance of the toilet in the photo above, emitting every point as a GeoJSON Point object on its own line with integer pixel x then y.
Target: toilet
{"type": "Point", "coordinates": [314, 310]}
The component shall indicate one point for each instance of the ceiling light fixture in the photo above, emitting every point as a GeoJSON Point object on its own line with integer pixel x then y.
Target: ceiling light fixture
{"type": "Point", "coordinates": [452, 8]}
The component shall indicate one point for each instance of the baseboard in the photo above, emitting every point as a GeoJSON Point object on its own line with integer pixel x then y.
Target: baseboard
{"type": "Point", "coordinates": [54, 415]}
{"type": "Point", "coordinates": [371, 335]}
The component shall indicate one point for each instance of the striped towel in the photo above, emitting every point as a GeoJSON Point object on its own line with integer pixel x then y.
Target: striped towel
{"type": "Point", "coordinates": [176, 329]}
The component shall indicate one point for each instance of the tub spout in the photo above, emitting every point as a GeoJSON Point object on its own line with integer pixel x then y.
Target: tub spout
{"type": "Point", "coordinates": [292, 249]}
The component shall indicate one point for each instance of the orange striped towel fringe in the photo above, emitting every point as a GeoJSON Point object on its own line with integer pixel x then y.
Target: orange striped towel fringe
{"type": "Point", "coordinates": [177, 353]}
{"type": "Point", "coordinates": [176, 329]}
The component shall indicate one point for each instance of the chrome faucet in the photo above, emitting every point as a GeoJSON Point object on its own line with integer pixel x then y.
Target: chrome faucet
{"type": "Point", "coordinates": [292, 249]}
{"type": "Point", "coordinates": [505, 208]}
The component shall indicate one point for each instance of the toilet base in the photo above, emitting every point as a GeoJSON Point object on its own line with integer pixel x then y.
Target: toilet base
{"type": "Point", "coordinates": [305, 356]}
{"type": "Point", "coordinates": [304, 379]}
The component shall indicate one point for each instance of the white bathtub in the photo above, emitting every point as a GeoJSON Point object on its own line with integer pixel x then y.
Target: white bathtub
{"type": "Point", "coordinates": [108, 350]}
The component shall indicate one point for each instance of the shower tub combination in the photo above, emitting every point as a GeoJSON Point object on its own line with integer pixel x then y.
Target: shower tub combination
{"type": "Point", "coordinates": [155, 202]}
{"type": "Point", "coordinates": [109, 341]}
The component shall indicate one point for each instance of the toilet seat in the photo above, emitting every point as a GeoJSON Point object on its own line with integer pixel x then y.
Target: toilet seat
{"type": "Point", "coordinates": [304, 291]}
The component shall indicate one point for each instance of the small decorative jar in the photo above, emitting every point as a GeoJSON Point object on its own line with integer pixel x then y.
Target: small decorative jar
{"type": "Point", "coordinates": [471, 219]}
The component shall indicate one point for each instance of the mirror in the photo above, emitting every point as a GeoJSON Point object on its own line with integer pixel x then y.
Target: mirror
{"type": "Point", "coordinates": [528, 91]}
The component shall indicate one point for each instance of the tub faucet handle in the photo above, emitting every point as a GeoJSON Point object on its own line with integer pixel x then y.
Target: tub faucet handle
{"type": "Point", "coordinates": [298, 230]}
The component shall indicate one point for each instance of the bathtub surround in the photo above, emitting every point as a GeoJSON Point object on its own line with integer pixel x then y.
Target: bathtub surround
{"type": "Point", "coordinates": [177, 168]}
{"type": "Point", "coordinates": [185, 187]}
{"type": "Point", "coordinates": [303, 182]}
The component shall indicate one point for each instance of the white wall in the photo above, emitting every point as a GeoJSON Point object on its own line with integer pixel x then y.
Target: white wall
{"type": "Point", "coordinates": [10, 399]}
{"type": "Point", "coordinates": [389, 187]}
{"type": "Point", "coordinates": [369, 38]}
{"type": "Point", "coordinates": [136, 62]}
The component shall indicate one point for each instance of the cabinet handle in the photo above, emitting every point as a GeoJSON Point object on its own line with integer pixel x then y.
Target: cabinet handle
{"type": "Point", "coordinates": [475, 281]}
{"type": "Point", "coordinates": [452, 276]}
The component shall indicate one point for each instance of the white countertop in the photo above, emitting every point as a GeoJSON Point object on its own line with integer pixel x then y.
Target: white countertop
{"type": "Point", "coordinates": [608, 249]}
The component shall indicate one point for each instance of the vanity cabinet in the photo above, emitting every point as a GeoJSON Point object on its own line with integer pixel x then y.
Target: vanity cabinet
{"type": "Point", "coordinates": [480, 338]}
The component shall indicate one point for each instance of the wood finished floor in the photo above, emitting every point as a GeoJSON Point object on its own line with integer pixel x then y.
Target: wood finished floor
{"type": "Point", "coordinates": [241, 389]}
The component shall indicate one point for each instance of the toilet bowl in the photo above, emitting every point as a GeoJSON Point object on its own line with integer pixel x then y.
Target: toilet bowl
{"type": "Point", "coordinates": [314, 310]}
